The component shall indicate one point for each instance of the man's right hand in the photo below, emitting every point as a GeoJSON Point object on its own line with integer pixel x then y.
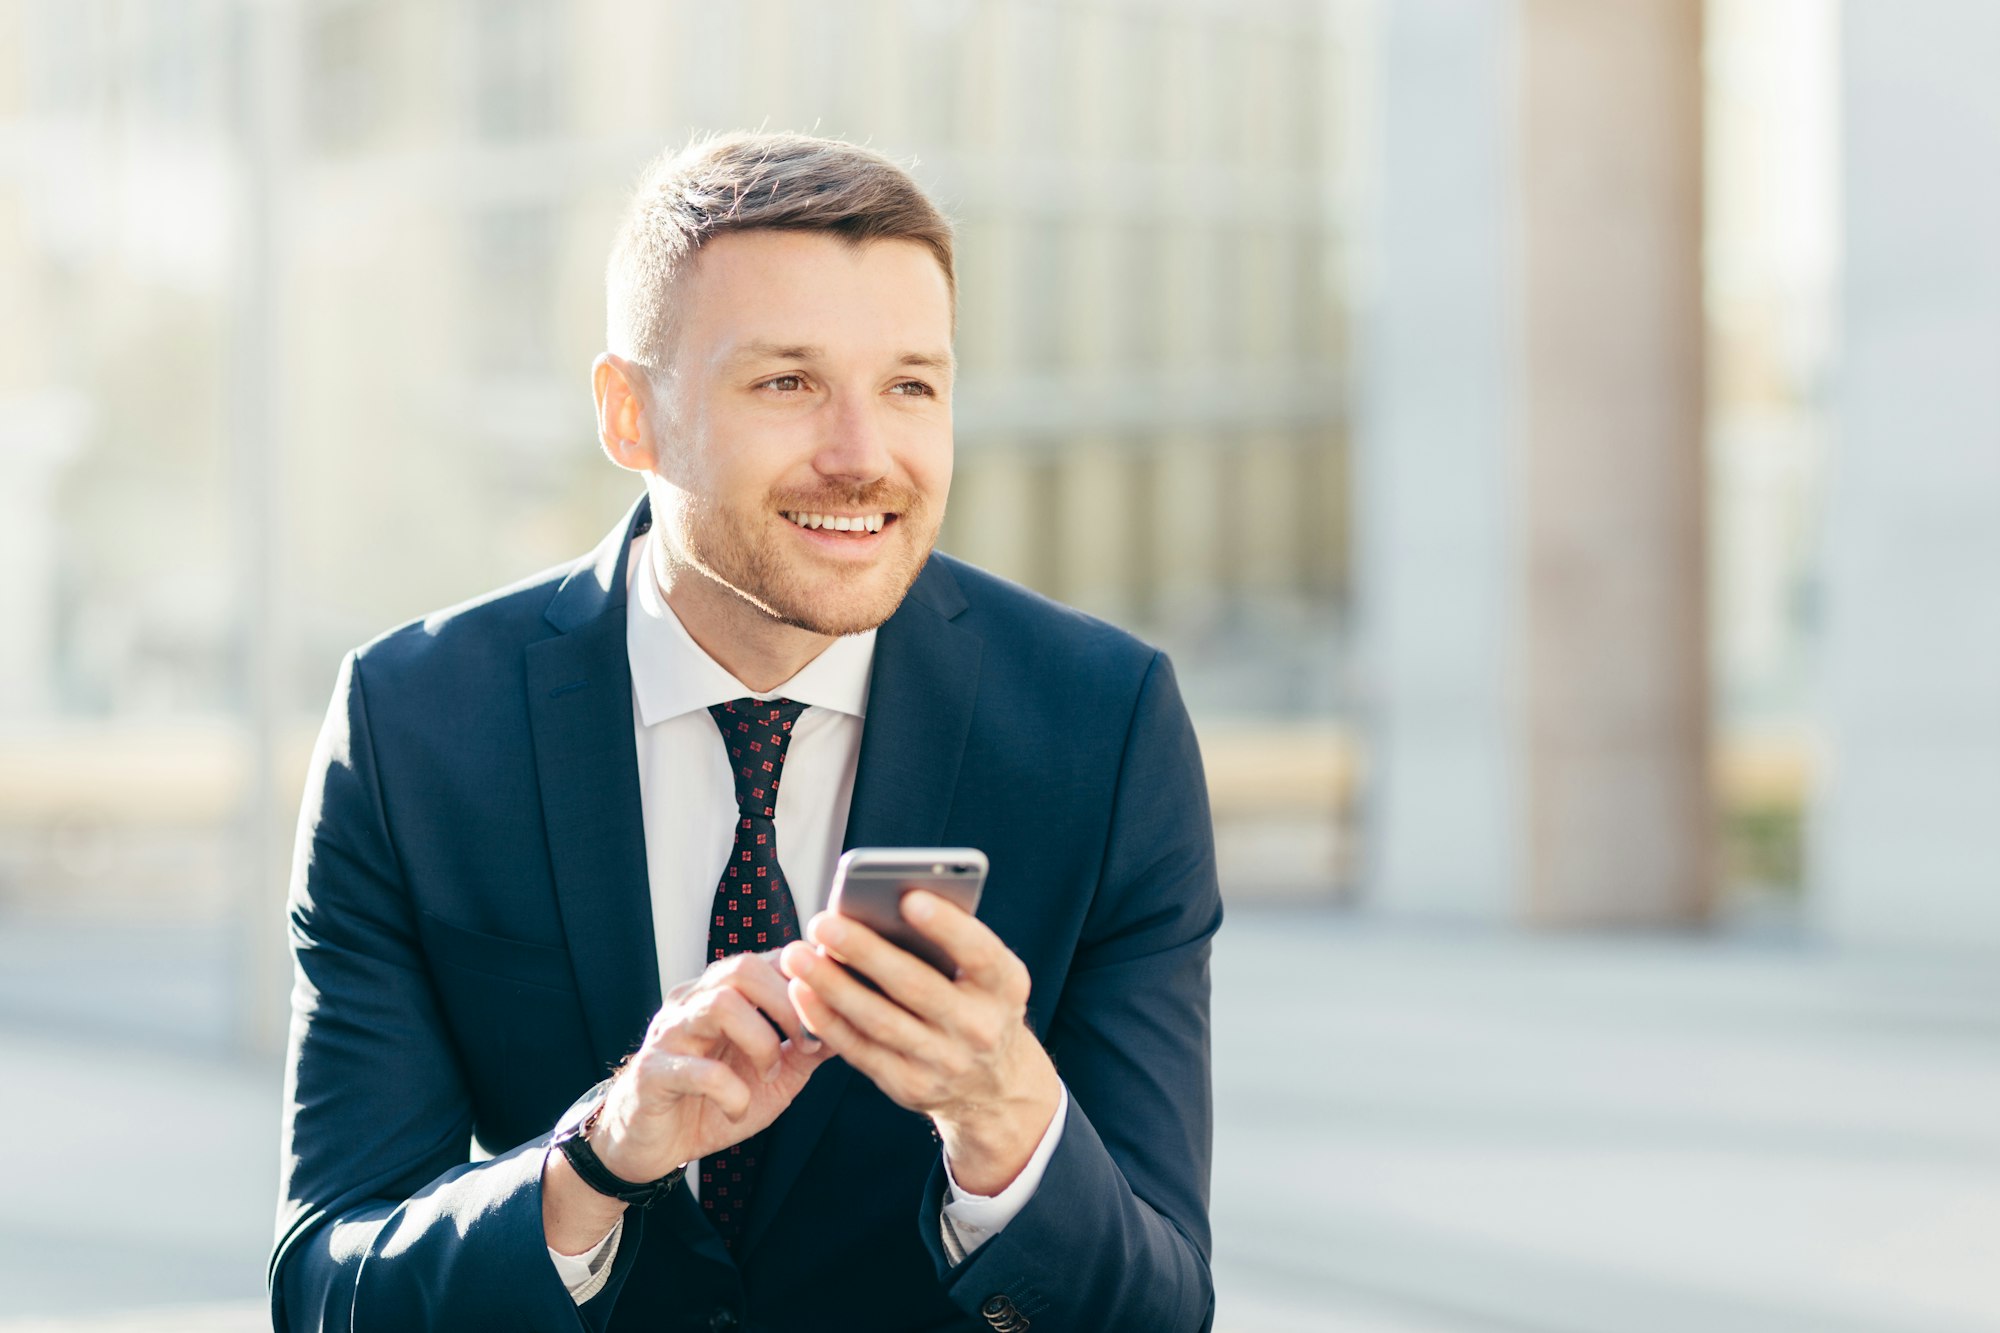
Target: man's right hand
{"type": "Point", "coordinates": [711, 1072]}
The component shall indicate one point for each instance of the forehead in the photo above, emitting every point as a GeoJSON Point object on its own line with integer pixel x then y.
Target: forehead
{"type": "Point", "coordinates": [812, 288]}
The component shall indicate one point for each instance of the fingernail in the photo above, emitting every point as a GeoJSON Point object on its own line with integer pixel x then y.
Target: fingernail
{"type": "Point", "coordinates": [829, 931]}
{"type": "Point", "coordinates": [918, 906]}
{"type": "Point", "coordinates": [805, 960]}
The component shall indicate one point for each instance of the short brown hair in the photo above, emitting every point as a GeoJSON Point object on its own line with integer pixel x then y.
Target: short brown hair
{"type": "Point", "coordinates": [747, 182]}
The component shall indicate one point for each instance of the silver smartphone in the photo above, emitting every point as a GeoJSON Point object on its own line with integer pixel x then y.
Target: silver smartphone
{"type": "Point", "coordinates": [869, 884]}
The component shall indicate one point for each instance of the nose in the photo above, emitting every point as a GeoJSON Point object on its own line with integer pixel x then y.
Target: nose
{"type": "Point", "coordinates": [852, 445]}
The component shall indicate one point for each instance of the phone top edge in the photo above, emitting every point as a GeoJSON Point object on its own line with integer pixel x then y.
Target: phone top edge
{"type": "Point", "coordinates": [872, 858]}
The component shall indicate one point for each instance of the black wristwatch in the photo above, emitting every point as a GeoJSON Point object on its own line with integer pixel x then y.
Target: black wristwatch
{"type": "Point", "coordinates": [574, 1144]}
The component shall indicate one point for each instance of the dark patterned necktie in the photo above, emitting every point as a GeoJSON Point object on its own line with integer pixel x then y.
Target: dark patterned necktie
{"type": "Point", "coordinates": [753, 909]}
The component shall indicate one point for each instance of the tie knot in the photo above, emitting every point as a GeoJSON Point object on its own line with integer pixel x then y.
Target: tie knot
{"type": "Point", "coordinates": [756, 732]}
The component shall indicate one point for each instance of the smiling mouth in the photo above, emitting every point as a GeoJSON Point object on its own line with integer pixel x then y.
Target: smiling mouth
{"type": "Point", "coordinates": [858, 523]}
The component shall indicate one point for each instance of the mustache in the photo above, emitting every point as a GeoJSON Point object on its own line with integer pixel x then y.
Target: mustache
{"type": "Point", "coordinates": [881, 497]}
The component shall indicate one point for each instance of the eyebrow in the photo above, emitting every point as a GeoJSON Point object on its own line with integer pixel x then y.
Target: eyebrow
{"type": "Point", "coordinates": [772, 351]}
{"type": "Point", "coordinates": [943, 361]}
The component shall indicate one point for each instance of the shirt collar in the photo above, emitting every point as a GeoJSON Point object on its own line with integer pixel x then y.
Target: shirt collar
{"type": "Point", "coordinates": [672, 675]}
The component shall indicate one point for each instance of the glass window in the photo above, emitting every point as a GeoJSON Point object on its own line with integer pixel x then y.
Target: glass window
{"type": "Point", "coordinates": [511, 304]}
{"type": "Point", "coordinates": [516, 67]}
{"type": "Point", "coordinates": [342, 74]}
{"type": "Point", "coordinates": [1044, 330]}
{"type": "Point", "coordinates": [1142, 295]}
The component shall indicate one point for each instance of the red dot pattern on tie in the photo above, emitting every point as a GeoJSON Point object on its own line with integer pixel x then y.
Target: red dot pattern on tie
{"type": "Point", "coordinates": [753, 909]}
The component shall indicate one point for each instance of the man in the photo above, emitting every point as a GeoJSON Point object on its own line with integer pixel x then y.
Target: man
{"type": "Point", "coordinates": [574, 827]}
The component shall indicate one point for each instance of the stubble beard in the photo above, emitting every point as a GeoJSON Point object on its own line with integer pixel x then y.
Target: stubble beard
{"type": "Point", "coordinates": [791, 587]}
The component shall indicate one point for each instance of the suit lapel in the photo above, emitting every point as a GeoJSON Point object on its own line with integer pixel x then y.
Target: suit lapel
{"type": "Point", "coordinates": [580, 708]}
{"type": "Point", "coordinates": [921, 693]}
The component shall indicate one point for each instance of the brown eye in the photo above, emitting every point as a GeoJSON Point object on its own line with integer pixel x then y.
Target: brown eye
{"type": "Point", "coordinates": [914, 389]}
{"type": "Point", "coordinates": [787, 383]}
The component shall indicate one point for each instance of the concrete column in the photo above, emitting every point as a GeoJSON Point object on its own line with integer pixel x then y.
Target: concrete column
{"type": "Point", "coordinates": [1435, 438]}
{"type": "Point", "coordinates": [990, 517]}
{"type": "Point", "coordinates": [1188, 527]}
{"type": "Point", "coordinates": [1267, 514]}
{"type": "Point", "coordinates": [1905, 846]}
{"type": "Point", "coordinates": [1529, 461]}
{"type": "Point", "coordinates": [1615, 613]}
{"type": "Point", "coordinates": [1094, 517]}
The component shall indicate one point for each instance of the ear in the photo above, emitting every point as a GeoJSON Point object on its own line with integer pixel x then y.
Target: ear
{"type": "Point", "coordinates": [624, 421]}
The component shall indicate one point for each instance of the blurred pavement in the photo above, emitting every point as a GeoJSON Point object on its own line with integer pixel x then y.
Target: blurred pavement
{"type": "Point", "coordinates": [1419, 1132]}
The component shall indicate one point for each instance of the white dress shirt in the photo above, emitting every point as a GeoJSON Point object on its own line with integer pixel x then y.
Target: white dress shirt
{"type": "Point", "coordinates": [688, 801]}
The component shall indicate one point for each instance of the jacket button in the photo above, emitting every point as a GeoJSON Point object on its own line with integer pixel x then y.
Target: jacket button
{"type": "Point", "coordinates": [723, 1320]}
{"type": "Point", "coordinates": [1000, 1313]}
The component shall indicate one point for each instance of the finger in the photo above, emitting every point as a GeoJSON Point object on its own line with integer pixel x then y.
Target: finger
{"type": "Point", "coordinates": [757, 978]}
{"type": "Point", "coordinates": [662, 1077]}
{"type": "Point", "coordinates": [840, 1037]}
{"type": "Point", "coordinates": [802, 1057]}
{"type": "Point", "coordinates": [751, 1032]}
{"type": "Point", "coordinates": [983, 958]}
{"type": "Point", "coordinates": [876, 1017]}
{"type": "Point", "coordinates": [900, 1080]}
{"type": "Point", "coordinates": [905, 978]}
{"type": "Point", "coordinates": [725, 1015]}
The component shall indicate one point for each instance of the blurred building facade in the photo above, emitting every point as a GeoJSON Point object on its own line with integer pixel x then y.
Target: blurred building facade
{"type": "Point", "coordinates": [1146, 223]}
{"type": "Point", "coordinates": [408, 206]}
{"type": "Point", "coordinates": [1457, 387]}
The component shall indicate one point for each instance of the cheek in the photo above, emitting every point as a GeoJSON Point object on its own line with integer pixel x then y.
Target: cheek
{"type": "Point", "coordinates": [726, 475]}
{"type": "Point", "coordinates": [930, 469]}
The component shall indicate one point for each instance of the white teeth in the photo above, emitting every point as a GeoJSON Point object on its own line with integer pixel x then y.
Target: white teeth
{"type": "Point", "coordinates": [839, 523]}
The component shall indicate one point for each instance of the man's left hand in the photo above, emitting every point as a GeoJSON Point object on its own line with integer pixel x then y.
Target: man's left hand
{"type": "Point", "coordinates": [959, 1051]}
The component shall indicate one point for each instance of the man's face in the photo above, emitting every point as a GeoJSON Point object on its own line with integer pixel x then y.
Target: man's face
{"type": "Point", "coordinates": [804, 428]}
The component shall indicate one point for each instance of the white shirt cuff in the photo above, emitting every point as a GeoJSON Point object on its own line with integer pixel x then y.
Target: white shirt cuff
{"type": "Point", "coordinates": [585, 1274]}
{"type": "Point", "coordinates": [970, 1220]}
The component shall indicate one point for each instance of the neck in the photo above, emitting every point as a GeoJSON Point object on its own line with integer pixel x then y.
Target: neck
{"type": "Point", "coordinates": [745, 641]}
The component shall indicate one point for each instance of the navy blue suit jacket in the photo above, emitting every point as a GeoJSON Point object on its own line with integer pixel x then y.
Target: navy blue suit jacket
{"type": "Point", "coordinates": [472, 930]}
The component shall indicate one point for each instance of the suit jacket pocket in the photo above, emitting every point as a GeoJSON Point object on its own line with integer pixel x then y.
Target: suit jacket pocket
{"type": "Point", "coordinates": [496, 956]}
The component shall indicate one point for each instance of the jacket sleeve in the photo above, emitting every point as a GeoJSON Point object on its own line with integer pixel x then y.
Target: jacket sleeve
{"type": "Point", "coordinates": [383, 1221]}
{"type": "Point", "coordinates": [1117, 1235]}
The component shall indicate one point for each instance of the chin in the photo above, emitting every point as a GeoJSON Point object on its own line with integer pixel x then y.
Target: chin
{"type": "Point", "coordinates": [839, 611]}
{"type": "Point", "coordinates": [806, 592]}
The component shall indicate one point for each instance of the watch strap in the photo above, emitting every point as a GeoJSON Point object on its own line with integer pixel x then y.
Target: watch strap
{"type": "Point", "coordinates": [574, 1144]}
